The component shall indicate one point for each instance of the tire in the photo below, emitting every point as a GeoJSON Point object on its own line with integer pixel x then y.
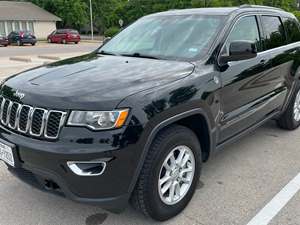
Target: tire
{"type": "Point", "coordinates": [33, 44]}
{"type": "Point", "coordinates": [290, 119]}
{"type": "Point", "coordinates": [147, 196]}
{"type": "Point", "coordinates": [76, 42]}
{"type": "Point", "coordinates": [49, 40]}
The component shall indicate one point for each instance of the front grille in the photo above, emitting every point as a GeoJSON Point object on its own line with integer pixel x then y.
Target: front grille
{"type": "Point", "coordinates": [32, 121]}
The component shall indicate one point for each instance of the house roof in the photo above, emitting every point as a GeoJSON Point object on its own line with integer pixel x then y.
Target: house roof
{"type": "Point", "coordinates": [10, 10]}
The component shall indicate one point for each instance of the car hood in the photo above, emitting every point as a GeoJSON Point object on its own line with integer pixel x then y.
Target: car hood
{"type": "Point", "coordinates": [93, 81]}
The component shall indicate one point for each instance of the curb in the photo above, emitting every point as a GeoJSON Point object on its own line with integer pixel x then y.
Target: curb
{"type": "Point", "coordinates": [49, 57]}
{"type": "Point", "coordinates": [92, 41]}
{"type": "Point", "coordinates": [20, 59]}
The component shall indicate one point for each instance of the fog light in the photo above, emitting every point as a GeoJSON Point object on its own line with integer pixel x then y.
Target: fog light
{"type": "Point", "coordinates": [89, 168]}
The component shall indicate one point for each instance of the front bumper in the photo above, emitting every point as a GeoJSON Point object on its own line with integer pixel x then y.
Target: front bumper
{"type": "Point", "coordinates": [43, 164]}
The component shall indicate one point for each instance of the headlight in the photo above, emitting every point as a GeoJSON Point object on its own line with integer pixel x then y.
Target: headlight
{"type": "Point", "coordinates": [98, 120]}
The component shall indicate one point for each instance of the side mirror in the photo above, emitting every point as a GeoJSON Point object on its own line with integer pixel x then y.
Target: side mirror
{"type": "Point", "coordinates": [106, 40]}
{"type": "Point", "coordinates": [240, 50]}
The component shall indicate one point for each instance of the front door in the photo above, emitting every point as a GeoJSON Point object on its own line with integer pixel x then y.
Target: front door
{"type": "Point", "coordinates": [247, 95]}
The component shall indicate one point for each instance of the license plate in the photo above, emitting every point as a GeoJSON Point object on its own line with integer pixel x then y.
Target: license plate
{"type": "Point", "coordinates": [6, 154]}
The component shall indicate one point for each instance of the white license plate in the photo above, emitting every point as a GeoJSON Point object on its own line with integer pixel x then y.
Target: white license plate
{"type": "Point", "coordinates": [6, 154]}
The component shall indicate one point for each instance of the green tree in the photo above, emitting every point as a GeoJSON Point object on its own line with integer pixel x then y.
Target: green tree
{"type": "Point", "coordinates": [74, 13]}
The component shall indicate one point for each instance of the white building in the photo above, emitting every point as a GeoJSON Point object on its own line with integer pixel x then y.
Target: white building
{"type": "Point", "coordinates": [15, 16]}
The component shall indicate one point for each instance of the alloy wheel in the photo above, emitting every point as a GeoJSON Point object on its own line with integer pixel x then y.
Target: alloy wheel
{"type": "Point", "coordinates": [176, 175]}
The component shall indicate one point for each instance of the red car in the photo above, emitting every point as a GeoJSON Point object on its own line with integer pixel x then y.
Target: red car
{"type": "Point", "coordinates": [3, 41]}
{"type": "Point", "coordinates": [64, 36]}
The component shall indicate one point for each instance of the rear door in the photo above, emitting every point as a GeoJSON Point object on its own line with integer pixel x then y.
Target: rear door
{"type": "Point", "coordinates": [252, 89]}
{"type": "Point", "coordinates": [275, 45]}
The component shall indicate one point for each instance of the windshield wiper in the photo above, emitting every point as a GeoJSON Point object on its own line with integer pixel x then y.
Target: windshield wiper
{"type": "Point", "coordinates": [106, 53]}
{"type": "Point", "coordinates": [139, 55]}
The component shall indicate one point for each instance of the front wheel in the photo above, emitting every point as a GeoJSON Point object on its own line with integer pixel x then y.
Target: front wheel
{"type": "Point", "coordinates": [170, 174]}
{"type": "Point", "coordinates": [290, 119]}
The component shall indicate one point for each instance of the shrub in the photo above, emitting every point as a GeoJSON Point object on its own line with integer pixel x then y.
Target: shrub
{"type": "Point", "coordinates": [112, 31]}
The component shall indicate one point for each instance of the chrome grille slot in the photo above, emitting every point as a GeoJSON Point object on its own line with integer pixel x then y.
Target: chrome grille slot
{"type": "Point", "coordinates": [5, 111]}
{"type": "Point", "coordinates": [37, 121]}
{"type": "Point", "coordinates": [15, 107]}
{"type": "Point", "coordinates": [23, 124]}
{"type": "Point", "coordinates": [32, 121]}
{"type": "Point", "coordinates": [55, 120]}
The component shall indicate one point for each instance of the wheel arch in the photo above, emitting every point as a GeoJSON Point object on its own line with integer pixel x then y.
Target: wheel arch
{"type": "Point", "coordinates": [185, 119]}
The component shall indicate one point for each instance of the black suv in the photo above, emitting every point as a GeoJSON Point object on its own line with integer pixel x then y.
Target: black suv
{"type": "Point", "coordinates": [21, 37]}
{"type": "Point", "coordinates": [134, 120]}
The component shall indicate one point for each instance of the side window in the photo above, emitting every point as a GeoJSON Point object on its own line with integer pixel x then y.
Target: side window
{"type": "Point", "coordinates": [292, 29]}
{"type": "Point", "coordinates": [274, 34]}
{"type": "Point", "coordinates": [245, 29]}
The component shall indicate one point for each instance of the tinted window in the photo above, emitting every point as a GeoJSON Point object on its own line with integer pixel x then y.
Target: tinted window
{"type": "Point", "coordinates": [74, 32]}
{"type": "Point", "coordinates": [274, 34]}
{"type": "Point", "coordinates": [292, 30]}
{"type": "Point", "coordinates": [244, 30]}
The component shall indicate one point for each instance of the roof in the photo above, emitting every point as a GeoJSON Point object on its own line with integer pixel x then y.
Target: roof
{"type": "Point", "coordinates": [221, 10]}
{"type": "Point", "coordinates": [10, 10]}
{"type": "Point", "coordinates": [206, 11]}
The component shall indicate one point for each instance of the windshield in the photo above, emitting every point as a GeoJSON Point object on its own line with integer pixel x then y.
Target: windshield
{"type": "Point", "coordinates": [175, 37]}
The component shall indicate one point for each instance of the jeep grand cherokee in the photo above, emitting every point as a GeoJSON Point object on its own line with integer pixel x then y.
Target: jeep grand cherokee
{"type": "Point", "coordinates": [134, 120]}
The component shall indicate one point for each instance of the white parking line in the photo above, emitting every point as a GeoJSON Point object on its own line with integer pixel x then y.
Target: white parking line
{"type": "Point", "coordinates": [277, 203]}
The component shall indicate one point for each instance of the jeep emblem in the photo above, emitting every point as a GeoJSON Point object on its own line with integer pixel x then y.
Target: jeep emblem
{"type": "Point", "coordinates": [19, 94]}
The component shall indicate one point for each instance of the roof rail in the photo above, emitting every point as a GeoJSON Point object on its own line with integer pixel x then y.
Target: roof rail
{"type": "Point", "coordinates": [259, 6]}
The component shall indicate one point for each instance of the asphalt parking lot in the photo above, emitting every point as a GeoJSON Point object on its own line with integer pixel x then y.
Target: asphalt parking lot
{"type": "Point", "coordinates": [45, 48]}
{"type": "Point", "coordinates": [9, 67]}
{"type": "Point", "coordinates": [236, 184]}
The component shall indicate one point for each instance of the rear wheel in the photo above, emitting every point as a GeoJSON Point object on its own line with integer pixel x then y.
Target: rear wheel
{"type": "Point", "coordinates": [170, 174]}
{"type": "Point", "coordinates": [76, 42]}
{"type": "Point", "coordinates": [290, 119]}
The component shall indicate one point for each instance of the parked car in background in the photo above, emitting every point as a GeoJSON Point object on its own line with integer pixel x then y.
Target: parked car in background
{"type": "Point", "coordinates": [64, 36]}
{"type": "Point", "coordinates": [3, 41]}
{"type": "Point", "coordinates": [21, 37]}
